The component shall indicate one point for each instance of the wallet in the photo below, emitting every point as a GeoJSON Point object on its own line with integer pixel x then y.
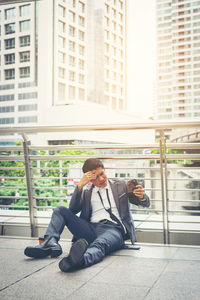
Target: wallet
{"type": "Point", "coordinates": [131, 185]}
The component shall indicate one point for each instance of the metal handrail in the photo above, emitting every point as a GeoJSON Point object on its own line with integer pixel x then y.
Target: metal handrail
{"type": "Point", "coordinates": [160, 159]}
{"type": "Point", "coordinates": [158, 125]}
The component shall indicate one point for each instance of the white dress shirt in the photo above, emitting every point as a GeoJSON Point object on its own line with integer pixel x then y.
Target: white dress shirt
{"type": "Point", "coordinates": [98, 211]}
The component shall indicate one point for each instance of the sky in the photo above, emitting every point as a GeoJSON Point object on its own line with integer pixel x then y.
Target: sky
{"type": "Point", "coordinates": [141, 43]}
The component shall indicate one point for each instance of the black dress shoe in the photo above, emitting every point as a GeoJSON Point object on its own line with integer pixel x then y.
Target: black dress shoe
{"type": "Point", "coordinates": [75, 258]}
{"type": "Point", "coordinates": [49, 247]}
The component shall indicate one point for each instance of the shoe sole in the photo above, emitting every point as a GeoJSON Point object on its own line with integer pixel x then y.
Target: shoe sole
{"type": "Point", "coordinates": [77, 250]}
{"type": "Point", "coordinates": [41, 253]}
{"type": "Point", "coordinates": [76, 254]}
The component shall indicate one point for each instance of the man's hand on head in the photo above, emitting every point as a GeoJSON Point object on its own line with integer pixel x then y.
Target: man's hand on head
{"type": "Point", "coordinates": [139, 192]}
{"type": "Point", "coordinates": [87, 177]}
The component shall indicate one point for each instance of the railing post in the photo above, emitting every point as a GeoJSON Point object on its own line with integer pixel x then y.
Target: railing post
{"type": "Point", "coordinates": [166, 193]}
{"type": "Point", "coordinates": [163, 175]}
{"type": "Point", "coordinates": [30, 188]}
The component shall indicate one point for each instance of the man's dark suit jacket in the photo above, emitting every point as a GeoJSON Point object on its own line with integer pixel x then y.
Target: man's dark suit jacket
{"type": "Point", "coordinates": [81, 202]}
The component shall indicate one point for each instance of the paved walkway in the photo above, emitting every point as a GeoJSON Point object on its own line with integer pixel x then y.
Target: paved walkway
{"type": "Point", "coordinates": [154, 272]}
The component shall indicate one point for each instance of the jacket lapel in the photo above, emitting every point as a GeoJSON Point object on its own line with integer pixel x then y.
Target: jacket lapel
{"type": "Point", "coordinates": [114, 188]}
{"type": "Point", "coordinates": [88, 195]}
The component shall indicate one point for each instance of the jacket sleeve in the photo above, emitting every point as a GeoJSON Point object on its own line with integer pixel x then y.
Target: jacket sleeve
{"type": "Point", "coordinates": [137, 201]}
{"type": "Point", "coordinates": [75, 203]}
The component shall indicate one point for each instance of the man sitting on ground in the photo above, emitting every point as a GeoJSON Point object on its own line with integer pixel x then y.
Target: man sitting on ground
{"type": "Point", "coordinates": [104, 224]}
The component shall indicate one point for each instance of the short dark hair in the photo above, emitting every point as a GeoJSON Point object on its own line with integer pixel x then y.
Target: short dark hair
{"type": "Point", "coordinates": [92, 164]}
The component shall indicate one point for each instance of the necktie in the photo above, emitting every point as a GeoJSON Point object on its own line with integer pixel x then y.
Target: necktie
{"type": "Point", "coordinates": [113, 217]}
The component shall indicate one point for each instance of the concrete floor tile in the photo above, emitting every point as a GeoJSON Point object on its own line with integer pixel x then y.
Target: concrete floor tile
{"type": "Point", "coordinates": [172, 294]}
{"type": "Point", "coordinates": [99, 291]}
{"type": "Point", "coordinates": [15, 266]}
{"type": "Point", "coordinates": [149, 252]}
{"type": "Point", "coordinates": [184, 266]}
{"type": "Point", "coordinates": [132, 271]}
{"type": "Point", "coordinates": [187, 253]}
{"type": "Point", "coordinates": [49, 283]}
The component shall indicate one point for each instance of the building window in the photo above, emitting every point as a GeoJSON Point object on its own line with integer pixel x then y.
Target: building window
{"type": "Point", "coordinates": [121, 29]}
{"type": "Point", "coordinates": [9, 59]}
{"type": "Point", "coordinates": [71, 31]}
{"type": "Point", "coordinates": [107, 8]}
{"type": "Point", "coordinates": [81, 21]}
{"type": "Point", "coordinates": [27, 119]}
{"type": "Point", "coordinates": [81, 78]}
{"type": "Point", "coordinates": [114, 103]}
{"type": "Point", "coordinates": [114, 14]}
{"type": "Point", "coordinates": [24, 56]}
{"type": "Point", "coordinates": [81, 64]}
{"type": "Point", "coordinates": [24, 25]}
{"type": "Point", "coordinates": [81, 35]}
{"type": "Point", "coordinates": [31, 95]}
{"type": "Point", "coordinates": [72, 60]}
{"type": "Point", "coordinates": [25, 10]}
{"type": "Point", "coordinates": [7, 121]}
{"type": "Point", "coordinates": [107, 47]}
{"type": "Point", "coordinates": [107, 21]}
{"type": "Point", "coordinates": [120, 17]}
{"type": "Point", "coordinates": [10, 13]}
{"type": "Point", "coordinates": [71, 16]}
{"type": "Point", "coordinates": [27, 107]}
{"type": "Point", "coordinates": [27, 84]}
{"type": "Point", "coordinates": [81, 50]}
{"type": "Point", "coordinates": [9, 74]}
{"type": "Point", "coordinates": [81, 6]}
{"type": "Point", "coordinates": [24, 41]}
{"type": "Point", "coordinates": [107, 34]}
{"type": "Point", "coordinates": [61, 42]}
{"type": "Point", "coordinates": [61, 26]}
{"type": "Point", "coordinates": [61, 57]}
{"type": "Point", "coordinates": [5, 109]}
{"type": "Point", "coordinates": [71, 46]}
{"type": "Point", "coordinates": [106, 58]}
{"type": "Point", "coordinates": [24, 72]}
{"type": "Point", "coordinates": [61, 73]}
{"type": "Point", "coordinates": [72, 3]}
{"type": "Point", "coordinates": [107, 87]}
{"type": "Point", "coordinates": [61, 11]}
{"type": "Point", "coordinates": [61, 91]}
{"type": "Point", "coordinates": [114, 88]}
{"type": "Point", "coordinates": [71, 92]}
{"type": "Point", "coordinates": [81, 94]}
{"type": "Point", "coordinates": [71, 75]}
{"type": "Point", "coordinates": [114, 50]}
{"type": "Point", "coordinates": [106, 73]}
{"type": "Point", "coordinates": [10, 43]}
{"type": "Point", "coordinates": [10, 28]}
{"type": "Point", "coordinates": [9, 97]}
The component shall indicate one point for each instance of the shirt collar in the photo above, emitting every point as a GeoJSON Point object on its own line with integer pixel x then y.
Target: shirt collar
{"type": "Point", "coordinates": [97, 189]}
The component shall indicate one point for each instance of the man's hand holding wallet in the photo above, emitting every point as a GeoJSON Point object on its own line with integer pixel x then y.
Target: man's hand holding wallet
{"type": "Point", "coordinates": [135, 189]}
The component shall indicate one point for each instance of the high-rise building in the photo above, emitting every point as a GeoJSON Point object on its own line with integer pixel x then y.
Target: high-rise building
{"type": "Point", "coordinates": [178, 53]}
{"type": "Point", "coordinates": [18, 64]}
{"type": "Point", "coordinates": [57, 54]}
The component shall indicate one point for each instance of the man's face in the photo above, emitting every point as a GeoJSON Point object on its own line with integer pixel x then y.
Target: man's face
{"type": "Point", "coordinates": [101, 178]}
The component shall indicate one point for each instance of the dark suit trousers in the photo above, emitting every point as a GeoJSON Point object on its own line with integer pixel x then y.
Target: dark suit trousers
{"type": "Point", "coordinates": [102, 238]}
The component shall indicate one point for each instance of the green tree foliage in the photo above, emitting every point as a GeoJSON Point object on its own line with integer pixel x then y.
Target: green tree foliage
{"type": "Point", "coordinates": [46, 169]}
